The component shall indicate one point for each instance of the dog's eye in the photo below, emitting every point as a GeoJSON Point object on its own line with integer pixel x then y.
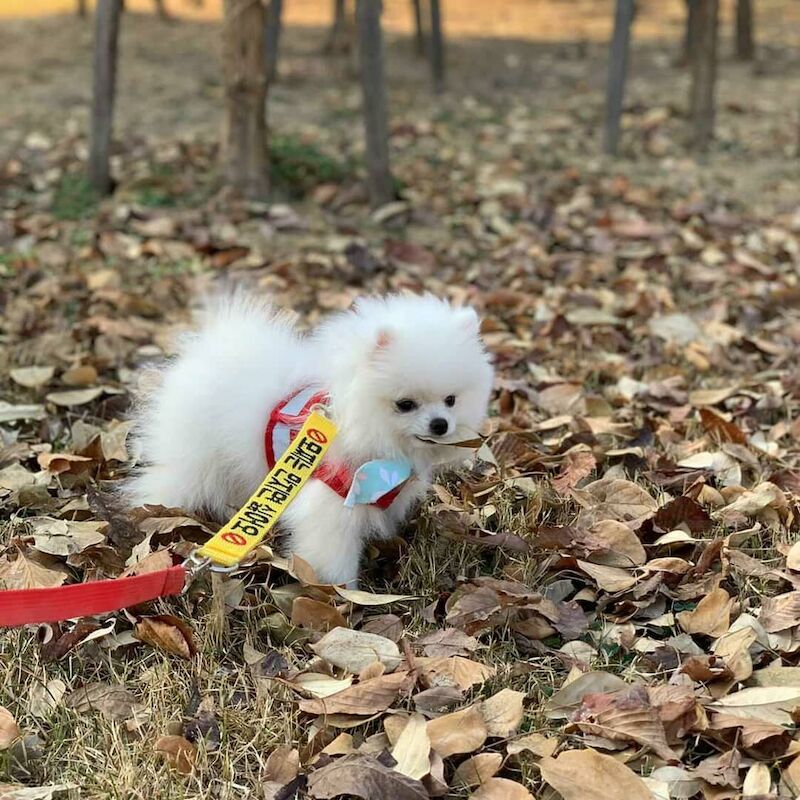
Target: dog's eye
{"type": "Point", "coordinates": [405, 405]}
{"type": "Point", "coordinates": [450, 400]}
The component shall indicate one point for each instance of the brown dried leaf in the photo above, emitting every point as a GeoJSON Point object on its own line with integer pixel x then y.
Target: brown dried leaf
{"type": "Point", "coordinates": [283, 765]}
{"type": "Point", "coordinates": [711, 617]}
{"type": "Point", "coordinates": [459, 732]}
{"type": "Point", "coordinates": [577, 465]}
{"type": "Point", "coordinates": [167, 633]}
{"type": "Point", "coordinates": [112, 701]}
{"type": "Point", "coordinates": [365, 777]}
{"type": "Point", "coordinates": [9, 730]}
{"type": "Point", "coordinates": [537, 744]}
{"type": "Point", "coordinates": [447, 642]}
{"type": "Point", "coordinates": [501, 789]}
{"type": "Point", "coordinates": [180, 753]}
{"type": "Point", "coordinates": [366, 698]}
{"type": "Point", "coordinates": [683, 512]}
{"type": "Point", "coordinates": [389, 626]}
{"type": "Point", "coordinates": [626, 716]}
{"type": "Point", "coordinates": [412, 748]}
{"type": "Point", "coordinates": [453, 671]}
{"type": "Point", "coordinates": [587, 775]}
{"type": "Point", "coordinates": [503, 713]}
{"type": "Point", "coordinates": [610, 579]}
{"type": "Point", "coordinates": [61, 463]}
{"type": "Point", "coordinates": [476, 770]}
{"type": "Point", "coordinates": [354, 650]}
{"type": "Point", "coordinates": [26, 573]}
{"type": "Point", "coordinates": [780, 612]}
{"type": "Point", "coordinates": [721, 428]}
{"type": "Point", "coordinates": [315, 615]}
{"type": "Point", "coordinates": [32, 377]}
{"type": "Point", "coordinates": [616, 498]}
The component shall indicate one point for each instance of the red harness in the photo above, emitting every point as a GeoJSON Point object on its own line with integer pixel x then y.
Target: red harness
{"type": "Point", "coordinates": [284, 423]}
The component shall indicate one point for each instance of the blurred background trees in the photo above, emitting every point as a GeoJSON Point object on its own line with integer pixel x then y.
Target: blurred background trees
{"type": "Point", "coordinates": [251, 36]}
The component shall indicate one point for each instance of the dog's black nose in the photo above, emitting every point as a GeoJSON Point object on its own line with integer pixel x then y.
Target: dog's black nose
{"type": "Point", "coordinates": [438, 426]}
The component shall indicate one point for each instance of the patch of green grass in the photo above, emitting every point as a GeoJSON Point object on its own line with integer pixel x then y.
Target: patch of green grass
{"type": "Point", "coordinates": [297, 167]}
{"type": "Point", "coordinates": [75, 198]}
{"type": "Point", "coordinates": [155, 197]}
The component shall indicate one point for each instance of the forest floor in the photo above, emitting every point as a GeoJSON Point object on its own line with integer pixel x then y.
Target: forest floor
{"type": "Point", "coordinates": [610, 596]}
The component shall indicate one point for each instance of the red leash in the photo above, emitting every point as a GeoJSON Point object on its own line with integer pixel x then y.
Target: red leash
{"type": "Point", "coordinates": [27, 606]}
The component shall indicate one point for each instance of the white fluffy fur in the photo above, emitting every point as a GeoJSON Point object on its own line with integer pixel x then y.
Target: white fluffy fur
{"type": "Point", "coordinates": [201, 433]}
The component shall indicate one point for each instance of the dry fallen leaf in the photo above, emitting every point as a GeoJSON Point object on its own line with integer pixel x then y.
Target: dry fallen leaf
{"type": "Point", "coordinates": [26, 573]}
{"type": "Point", "coordinates": [318, 684]}
{"type": "Point", "coordinates": [75, 397]}
{"type": "Point", "coordinates": [503, 713]}
{"type": "Point", "coordinates": [32, 377]}
{"type": "Point", "coordinates": [283, 765]}
{"type": "Point", "coordinates": [112, 701]}
{"type": "Point", "coordinates": [459, 732]}
{"type": "Point", "coordinates": [363, 776]}
{"type": "Point", "coordinates": [535, 743]}
{"type": "Point", "coordinates": [412, 749]}
{"type": "Point", "coordinates": [780, 612]}
{"type": "Point", "coordinates": [757, 781]}
{"type": "Point", "coordinates": [361, 598]}
{"type": "Point", "coordinates": [315, 615]}
{"type": "Point", "coordinates": [616, 499]}
{"type": "Point", "coordinates": [588, 775]}
{"type": "Point", "coordinates": [712, 617]}
{"type": "Point", "coordinates": [770, 704]}
{"type": "Point", "coordinates": [567, 699]}
{"type": "Point", "coordinates": [180, 753]}
{"type": "Point", "coordinates": [354, 650]}
{"type": "Point", "coordinates": [167, 633]}
{"type": "Point", "coordinates": [623, 716]}
{"type": "Point", "coordinates": [453, 671]}
{"type": "Point", "coordinates": [447, 642]}
{"type": "Point", "coordinates": [366, 698]}
{"type": "Point", "coordinates": [44, 698]}
{"type": "Point", "coordinates": [477, 770]}
{"type": "Point", "coordinates": [9, 730]}
{"type": "Point", "coordinates": [501, 789]}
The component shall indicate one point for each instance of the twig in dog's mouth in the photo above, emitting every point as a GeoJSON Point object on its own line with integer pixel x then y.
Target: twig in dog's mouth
{"type": "Point", "coordinates": [471, 444]}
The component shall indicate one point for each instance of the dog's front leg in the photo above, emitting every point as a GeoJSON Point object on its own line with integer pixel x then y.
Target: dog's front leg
{"type": "Point", "coordinates": [327, 535]}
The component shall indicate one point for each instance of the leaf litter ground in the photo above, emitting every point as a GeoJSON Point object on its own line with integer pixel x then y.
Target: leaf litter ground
{"type": "Point", "coordinates": [609, 595]}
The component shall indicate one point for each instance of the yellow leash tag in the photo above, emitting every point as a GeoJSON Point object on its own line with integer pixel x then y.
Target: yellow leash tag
{"type": "Point", "coordinates": [258, 516]}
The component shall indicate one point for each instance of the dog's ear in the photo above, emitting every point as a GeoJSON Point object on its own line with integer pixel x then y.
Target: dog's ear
{"type": "Point", "coordinates": [468, 320]}
{"type": "Point", "coordinates": [383, 339]}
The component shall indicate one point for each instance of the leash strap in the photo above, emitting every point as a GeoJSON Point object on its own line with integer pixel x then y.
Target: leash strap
{"type": "Point", "coordinates": [259, 514]}
{"type": "Point", "coordinates": [30, 606]}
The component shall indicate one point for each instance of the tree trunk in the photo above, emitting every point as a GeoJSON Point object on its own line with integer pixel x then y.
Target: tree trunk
{"type": "Point", "coordinates": [745, 41]}
{"type": "Point", "coordinates": [704, 74]}
{"type": "Point", "coordinates": [244, 134]}
{"type": "Point", "coordinates": [106, 31]}
{"type": "Point", "coordinates": [81, 8]}
{"type": "Point", "coordinates": [338, 38]}
{"type": "Point", "coordinates": [689, 33]}
{"type": "Point", "coordinates": [161, 10]}
{"type": "Point", "coordinates": [437, 46]}
{"type": "Point", "coordinates": [617, 73]}
{"type": "Point", "coordinates": [419, 28]}
{"type": "Point", "coordinates": [272, 36]}
{"type": "Point", "coordinates": [373, 85]}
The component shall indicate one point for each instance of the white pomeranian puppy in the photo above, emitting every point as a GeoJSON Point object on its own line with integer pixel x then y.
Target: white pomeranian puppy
{"type": "Point", "coordinates": [398, 375]}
